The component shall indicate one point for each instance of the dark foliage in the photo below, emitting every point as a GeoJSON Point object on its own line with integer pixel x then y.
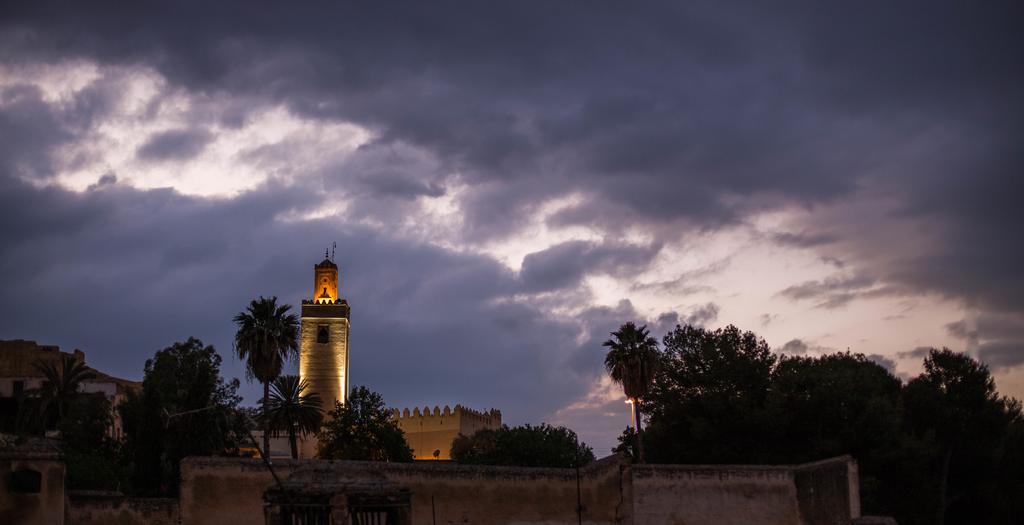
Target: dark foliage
{"type": "Point", "coordinates": [292, 411]}
{"type": "Point", "coordinates": [524, 446]}
{"type": "Point", "coordinates": [838, 404]}
{"type": "Point", "coordinates": [362, 429]}
{"type": "Point", "coordinates": [632, 361]}
{"type": "Point", "coordinates": [944, 448]}
{"type": "Point", "coordinates": [92, 457]}
{"type": "Point", "coordinates": [627, 443]}
{"type": "Point", "coordinates": [267, 337]}
{"type": "Point", "coordinates": [954, 404]}
{"type": "Point", "coordinates": [159, 424]}
{"type": "Point", "coordinates": [706, 403]}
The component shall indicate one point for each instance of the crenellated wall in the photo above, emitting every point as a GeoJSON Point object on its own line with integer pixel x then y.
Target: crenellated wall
{"type": "Point", "coordinates": [429, 430]}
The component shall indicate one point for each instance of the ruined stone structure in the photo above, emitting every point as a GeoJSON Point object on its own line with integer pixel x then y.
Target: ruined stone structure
{"type": "Point", "coordinates": [323, 344]}
{"type": "Point", "coordinates": [432, 432]}
{"type": "Point", "coordinates": [18, 375]}
{"type": "Point", "coordinates": [31, 481]}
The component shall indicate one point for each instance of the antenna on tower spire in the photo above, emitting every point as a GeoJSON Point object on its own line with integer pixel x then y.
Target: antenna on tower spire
{"type": "Point", "coordinates": [333, 246]}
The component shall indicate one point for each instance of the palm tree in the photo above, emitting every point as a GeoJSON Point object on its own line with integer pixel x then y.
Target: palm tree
{"type": "Point", "coordinates": [632, 361]}
{"type": "Point", "coordinates": [60, 384]}
{"type": "Point", "coordinates": [267, 336]}
{"type": "Point", "coordinates": [293, 411]}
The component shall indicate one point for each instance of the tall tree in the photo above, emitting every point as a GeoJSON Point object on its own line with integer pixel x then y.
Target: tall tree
{"type": "Point", "coordinates": [293, 411]}
{"type": "Point", "coordinates": [843, 403]}
{"type": "Point", "coordinates": [709, 396]}
{"type": "Point", "coordinates": [955, 400]}
{"type": "Point", "coordinates": [185, 409]}
{"type": "Point", "coordinates": [91, 457]}
{"type": "Point", "coordinates": [363, 429]}
{"type": "Point", "coordinates": [61, 383]}
{"type": "Point", "coordinates": [267, 336]}
{"type": "Point", "coordinates": [632, 361]}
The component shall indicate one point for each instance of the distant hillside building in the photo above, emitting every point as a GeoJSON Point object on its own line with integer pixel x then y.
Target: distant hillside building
{"type": "Point", "coordinates": [18, 376]}
{"type": "Point", "coordinates": [430, 433]}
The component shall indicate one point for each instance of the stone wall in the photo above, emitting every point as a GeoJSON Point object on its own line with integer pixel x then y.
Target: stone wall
{"type": "Point", "coordinates": [222, 490]}
{"type": "Point", "coordinates": [227, 490]}
{"type": "Point", "coordinates": [428, 430]}
{"type": "Point", "coordinates": [216, 490]}
{"type": "Point", "coordinates": [112, 508]}
{"type": "Point", "coordinates": [719, 494]}
{"type": "Point", "coordinates": [46, 506]}
{"type": "Point", "coordinates": [828, 491]}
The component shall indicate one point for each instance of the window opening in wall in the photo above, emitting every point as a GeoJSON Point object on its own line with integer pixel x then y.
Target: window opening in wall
{"type": "Point", "coordinates": [26, 481]}
{"type": "Point", "coordinates": [321, 334]}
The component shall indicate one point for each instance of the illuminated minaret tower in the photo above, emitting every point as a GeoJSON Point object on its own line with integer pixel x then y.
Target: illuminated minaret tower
{"type": "Point", "coordinates": [323, 349]}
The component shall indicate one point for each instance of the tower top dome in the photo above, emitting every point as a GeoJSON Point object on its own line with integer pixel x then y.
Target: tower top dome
{"type": "Point", "coordinates": [325, 281]}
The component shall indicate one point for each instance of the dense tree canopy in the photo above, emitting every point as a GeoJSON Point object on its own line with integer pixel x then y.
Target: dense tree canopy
{"type": "Point", "coordinates": [954, 404]}
{"type": "Point", "coordinates": [945, 446]}
{"type": "Point", "coordinates": [524, 446]}
{"type": "Point", "coordinates": [185, 409]}
{"type": "Point", "coordinates": [543, 445]}
{"type": "Point", "coordinates": [93, 458]}
{"type": "Point", "coordinates": [362, 429]}
{"type": "Point", "coordinates": [705, 404]}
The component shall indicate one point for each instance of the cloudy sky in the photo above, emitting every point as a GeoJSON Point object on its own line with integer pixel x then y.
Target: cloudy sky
{"type": "Point", "coordinates": [508, 182]}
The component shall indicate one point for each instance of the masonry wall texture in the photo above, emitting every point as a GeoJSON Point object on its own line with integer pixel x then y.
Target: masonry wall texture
{"type": "Point", "coordinates": [45, 507]}
{"type": "Point", "coordinates": [223, 490]}
{"type": "Point", "coordinates": [828, 490]}
{"type": "Point", "coordinates": [324, 366]}
{"type": "Point", "coordinates": [719, 494]}
{"type": "Point", "coordinates": [102, 508]}
{"type": "Point", "coordinates": [427, 431]}
{"type": "Point", "coordinates": [226, 490]}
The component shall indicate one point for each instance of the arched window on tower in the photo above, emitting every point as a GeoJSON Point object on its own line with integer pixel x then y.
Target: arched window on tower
{"type": "Point", "coordinates": [321, 335]}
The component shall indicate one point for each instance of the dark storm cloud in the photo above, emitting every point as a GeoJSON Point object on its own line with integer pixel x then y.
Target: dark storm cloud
{"type": "Point", "coordinates": [30, 129]}
{"type": "Point", "coordinates": [795, 346]}
{"type": "Point", "coordinates": [961, 330]}
{"type": "Point", "coordinates": [153, 267]}
{"type": "Point", "coordinates": [800, 240]}
{"type": "Point", "coordinates": [1002, 355]}
{"type": "Point", "coordinates": [565, 265]}
{"type": "Point", "coordinates": [919, 352]}
{"type": "Point", "coordinates": [883, 361]}
{"type": "Point", "coordinates": [663, 117]}
{"type": "Point", "coordinates": [801, 347]}
{"type": "Point", "coordinates": [396, 185]}
{"type": "Point", "coordinates": [688, 282]}
{"type": "Point", "coordinates": [839, 290]}
{"type": "Point", "coordinates": [175, 144]}
{"type": "Point", "coordinates": [666, 111]}
{"type": "Point", "coordinates": [704, 314]}
{"type": "Point", "coordinates": [997, 338]}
